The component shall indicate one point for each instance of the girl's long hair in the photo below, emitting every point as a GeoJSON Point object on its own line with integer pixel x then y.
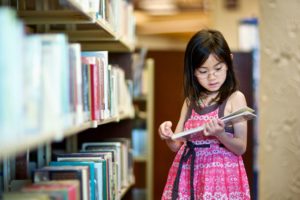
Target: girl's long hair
{"type": "Point", "coordinates": [200, 46]}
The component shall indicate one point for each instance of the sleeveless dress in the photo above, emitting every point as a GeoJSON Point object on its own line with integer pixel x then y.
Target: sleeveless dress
{"type": "Point", "coordinates": [203, 168]}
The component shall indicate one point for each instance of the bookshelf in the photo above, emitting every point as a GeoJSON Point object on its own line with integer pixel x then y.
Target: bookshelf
{"type": "Point", "coordinates": [94, 32]}
{"type": "Point", "coordinates": [100, 35]}
{"type": "Point", "coordinates": [144, 160]}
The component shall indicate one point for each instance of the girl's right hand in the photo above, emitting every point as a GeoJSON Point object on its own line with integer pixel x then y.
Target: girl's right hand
{"type": "Point", "coordinates": [165, 131]}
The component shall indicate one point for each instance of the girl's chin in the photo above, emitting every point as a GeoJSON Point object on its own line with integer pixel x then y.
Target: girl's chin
{"type": "Point", "coordinates": [213, 88]}
{"type": "Point", "coordinates": [212, 91]}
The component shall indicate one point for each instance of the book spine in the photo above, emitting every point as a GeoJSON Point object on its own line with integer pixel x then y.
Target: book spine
{"type": "Point", "coordinates": [94, 85]}
{"type": "Point", "coordinates": [32, 85]}
{"type": "Point", "coordinates": [76, 86]}
{"type": "Point", "coordinates": [11, 77]}
{"type": "Point", "coordinates": [85, 92]}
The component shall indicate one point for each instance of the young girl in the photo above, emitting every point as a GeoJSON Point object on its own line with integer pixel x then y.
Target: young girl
{"type": "Point", "coordinates": [208, 164]}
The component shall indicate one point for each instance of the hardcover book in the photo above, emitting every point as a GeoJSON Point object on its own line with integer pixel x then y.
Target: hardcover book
{"type": "Point", "coordinates": [117, 157]}
{"type": "Point", "coordinates": [25, 196]}
{"type": "Point", "coordinates": [80, 173]}
{"type": "Point", "coordinates": [80, 163]}
{"type": "Point", "coordinates": [57, 192]}
{"type": "Point", "coordinates": [242, 114]}
{"type": "Point", "coordinates": [72, 186]}
{"type": "Point", "coordinates": [103, 170]}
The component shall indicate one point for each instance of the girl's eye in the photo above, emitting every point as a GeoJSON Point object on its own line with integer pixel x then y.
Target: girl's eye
{"type": "Point", "coordinates": [202, 71]}
{"type": "Point", "coordinates": [218, 69]}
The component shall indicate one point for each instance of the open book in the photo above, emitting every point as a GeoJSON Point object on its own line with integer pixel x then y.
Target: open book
{"type": "Point", "coordinates": [242, 114]}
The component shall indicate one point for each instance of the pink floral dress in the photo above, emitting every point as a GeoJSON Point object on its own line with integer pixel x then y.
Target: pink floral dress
{"type": "Point", "coordinates": [203, 168]}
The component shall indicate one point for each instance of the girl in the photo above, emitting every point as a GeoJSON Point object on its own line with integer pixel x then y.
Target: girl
{"type": "Point", "coordinates": [208, 165]}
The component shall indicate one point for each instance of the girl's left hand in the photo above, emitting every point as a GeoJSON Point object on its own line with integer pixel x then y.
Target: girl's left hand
{"type": "Point", "coordinates": [214, 128]}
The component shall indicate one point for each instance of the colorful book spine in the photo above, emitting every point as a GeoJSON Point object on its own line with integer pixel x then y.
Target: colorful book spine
{"type": "Point", "coordinates": [78, 163]}
{"type": "Point", "coordinates": [76, 85]}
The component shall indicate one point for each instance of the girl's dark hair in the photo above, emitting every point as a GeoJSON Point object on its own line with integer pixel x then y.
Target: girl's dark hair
{"type": "Point", "coordinates": [200, 46]}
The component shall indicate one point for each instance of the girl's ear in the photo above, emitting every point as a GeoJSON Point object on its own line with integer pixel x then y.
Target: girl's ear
{"type": "Point", "coordinates": [231, 55]}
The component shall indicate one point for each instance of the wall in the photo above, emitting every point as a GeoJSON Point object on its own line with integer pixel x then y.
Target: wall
{"type": "Point", "coordinates": [227, 21]}
{"type": "Point", "coordinates": [279, 104]}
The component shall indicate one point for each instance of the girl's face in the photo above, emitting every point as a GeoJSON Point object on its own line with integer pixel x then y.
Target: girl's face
{"type": "Point", "coordinates": [212, 74]}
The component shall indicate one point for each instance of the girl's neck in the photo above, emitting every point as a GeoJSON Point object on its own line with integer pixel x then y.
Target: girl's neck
{"type": "Point", "coordinates": [207, 99]}
{"type": "Point", "coordinates": [209, 95]}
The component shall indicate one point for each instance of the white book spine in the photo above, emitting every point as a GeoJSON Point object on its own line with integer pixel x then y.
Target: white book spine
{"type": "Point", "coordinates": [75, 56]}
{"type": "Point", "coordinates": [52, 72]}
{"type": "Point", "coordinates": [11, 75]}
{"type": "Point", "coordinates": [32, 84]}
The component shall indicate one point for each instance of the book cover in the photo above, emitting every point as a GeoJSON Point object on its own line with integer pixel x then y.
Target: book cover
{"type": "Point", "coordinates": [115, 149]}
{"type": "Point", "coordinates": [95, 92]}
{"type": "Point", "coordinates": [103, 169]}
{"type": "Point", "coordinates": [85, 91]}
{"type": "Point", "coordinates": [114, 93]}
{"type": "Point", "coordinates": [25, 196]}
{"type": "Point", "coordinates": [242, 114]}
{"type": "Point", "coordinates": [60, 192]}
{"type": "Point", "coordinates": [91, 166]}
{"type": "Point", "coordinates": [55, 76]}
{"type": "Point", "coordinates": [11, 78]}
{"type": "Point", "coordinates": [103, 56]}
{"type": "Point", "coordinates": [101, 174]}
{"type": "Point", "coordinates": [72, 186]}
{"type": "Point", "coordinates": [125, 146]}
{"type": "Point", "coordinates": [76, 82]}
{"type": "Point", "coordinates": [32, 85]}
{"type": "Point", "coordinates": [101, 62]}
{"type": "Point", "coordinates": [80, 173]}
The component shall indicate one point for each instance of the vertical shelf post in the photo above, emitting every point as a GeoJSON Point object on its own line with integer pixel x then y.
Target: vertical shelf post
{"type": "Point", "coordinates": [6, 174]}
{"type": "Point", "coordinates": [150, 124]}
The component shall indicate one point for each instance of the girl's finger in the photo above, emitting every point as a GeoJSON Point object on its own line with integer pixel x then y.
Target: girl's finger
{"type": "Point", "coordinates": [215, 123]}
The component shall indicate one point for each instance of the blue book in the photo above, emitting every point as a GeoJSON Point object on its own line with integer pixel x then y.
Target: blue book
{"type": "Point", "coordinates": [103, 171]}
{"type": "Point", "coordinates": [91, 166]}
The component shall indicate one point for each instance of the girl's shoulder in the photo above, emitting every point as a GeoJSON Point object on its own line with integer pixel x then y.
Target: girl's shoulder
{"type": "Point", "coordinates": [236, 96]}
{"type": "Point", "coordinates": [236, 101]}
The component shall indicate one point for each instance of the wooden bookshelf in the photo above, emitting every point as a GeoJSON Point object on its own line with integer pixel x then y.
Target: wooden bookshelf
{"type": "Point", "coordinates": [144, 162]}
{"type": "Point", "coordinates": [99, 36]}
{"type": "Point", "coordinates": [33, 142]}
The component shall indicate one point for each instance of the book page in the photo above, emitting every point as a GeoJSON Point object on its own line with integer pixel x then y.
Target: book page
{"type": "Point", "coordinates": [235, 117]}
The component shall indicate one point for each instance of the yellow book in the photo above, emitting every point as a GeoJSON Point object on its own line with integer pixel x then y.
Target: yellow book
{"type": "Point", "coordinates": [25, 196]}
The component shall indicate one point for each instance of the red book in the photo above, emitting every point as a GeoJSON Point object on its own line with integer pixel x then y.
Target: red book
{"type": "Point", "coordinates": [57, 191]}
{"type": "Point", "coordinates": [94, 91]}
{"type": "Point", "coordinates": [101, 63]}
{"type": "Point", "coordinates": [72, 186]}
{"type": "Point", "coordinates": [80, 173]}
{"type": "Point", "coordinates": [94, 87]}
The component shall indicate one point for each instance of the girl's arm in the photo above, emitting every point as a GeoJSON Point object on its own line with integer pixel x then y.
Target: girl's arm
{"type": "Point", "coordinates": [238, 142]}
{"type": "Point", "coordinates": [166, 132]}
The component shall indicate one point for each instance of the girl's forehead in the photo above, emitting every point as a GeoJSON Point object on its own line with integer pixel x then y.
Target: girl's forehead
{"type": "Point", "coordinates": [215, 57]}
{"type": "Point", "coordinates": [211, 60]}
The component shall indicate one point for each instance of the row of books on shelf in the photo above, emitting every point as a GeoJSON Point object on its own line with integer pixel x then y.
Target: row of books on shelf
{"type": "Point", "coordinates": [48, 85]}
{"type": "Point", "coordinates": [117, 13]}
{"type": "Point", "coordinates": [100, 171]}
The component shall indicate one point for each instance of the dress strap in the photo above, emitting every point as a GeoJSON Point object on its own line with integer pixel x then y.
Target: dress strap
{"type": "Point", "coordinates": [228, 128]}
{"type": "Point", "coordinates": [222, 108]}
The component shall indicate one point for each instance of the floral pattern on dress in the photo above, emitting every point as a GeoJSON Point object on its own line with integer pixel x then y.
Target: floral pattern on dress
{"type": "Point", "coordinates": [218, 173]}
